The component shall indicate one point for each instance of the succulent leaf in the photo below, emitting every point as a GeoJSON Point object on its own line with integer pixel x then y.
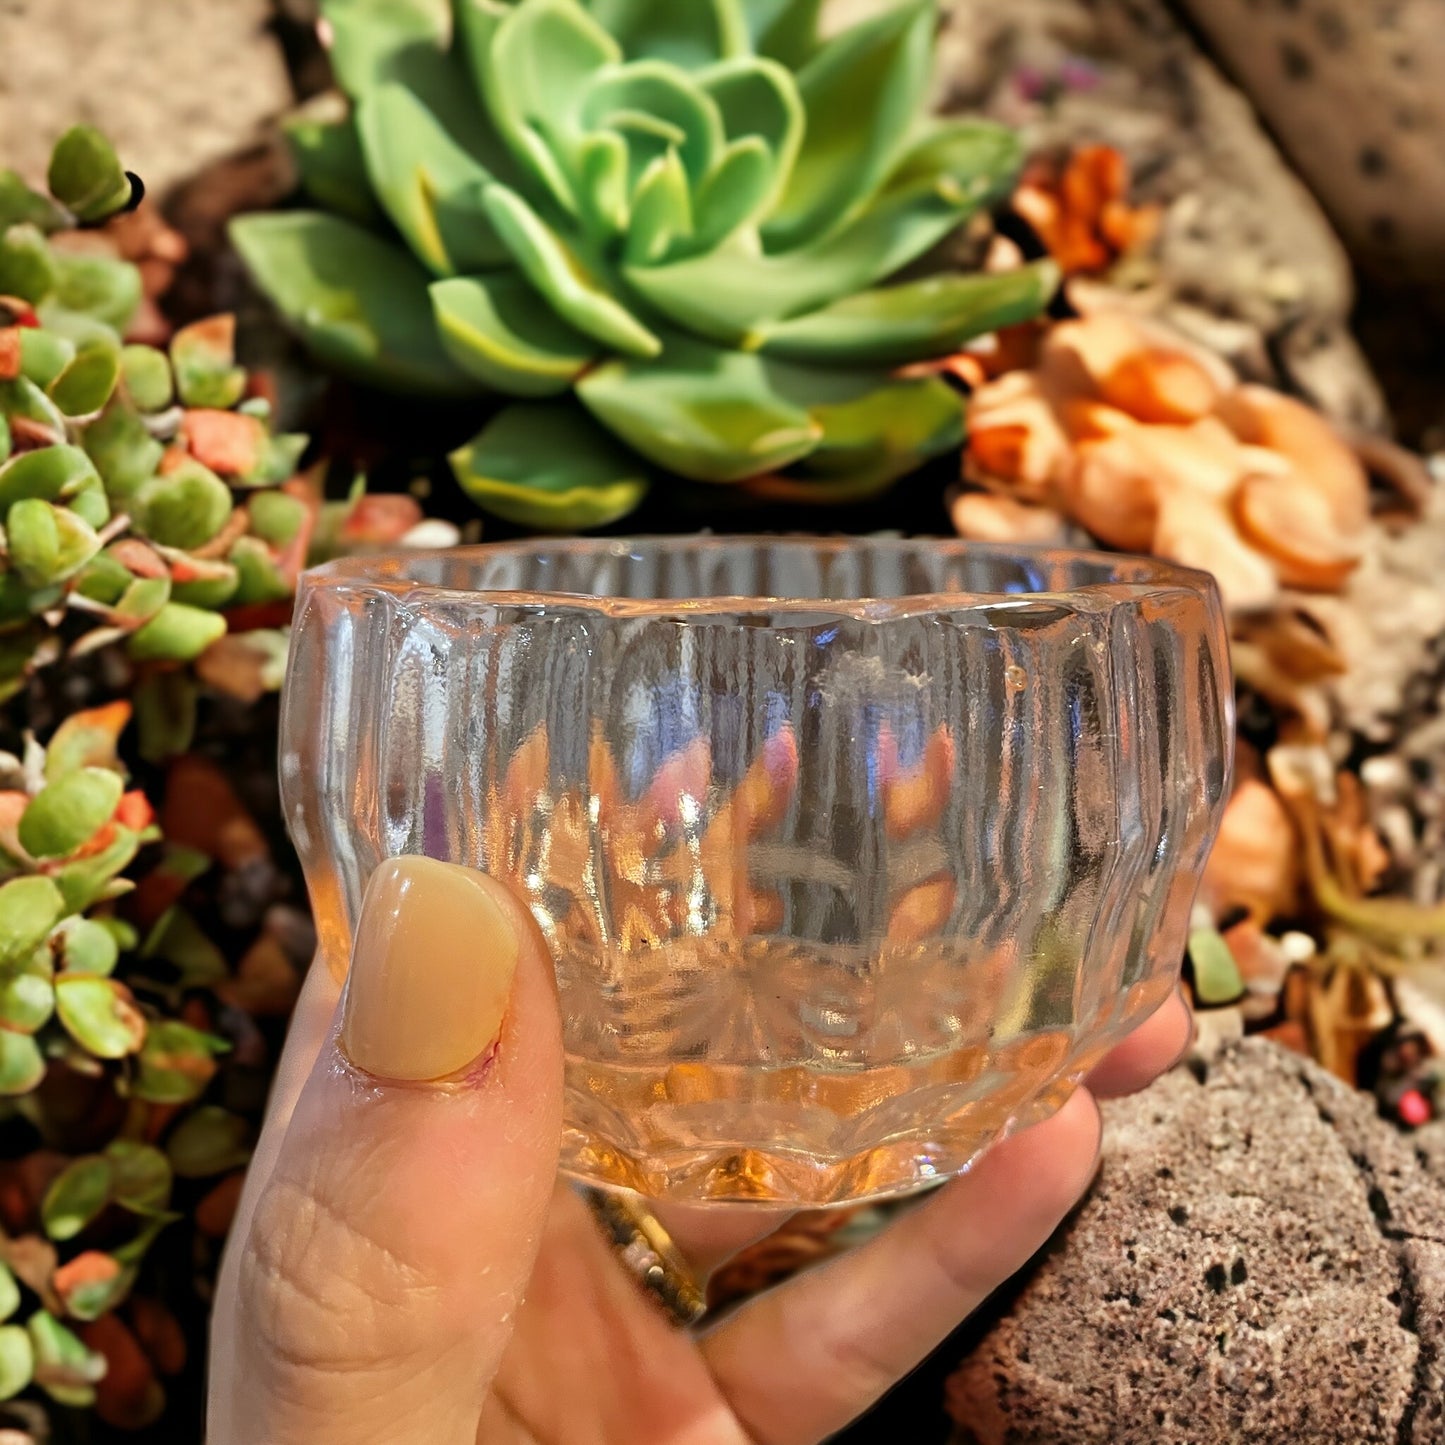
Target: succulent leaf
{"type": "Point", "coordinates": [25, 401]}
{"type": "Point", "coordinates": [371, 39]}
{"type": "Point", "coordinates": [203, 356]}
{"type": "Point", "coordinates": [176, 1063]}
{"type": "Point", "coordinates": [86, 739]}
{"type": "Point", "coordinates": [538, 64]}
{"type": "Point", "coordinates": [27, 268]}
{"type": "Point", "coordinates": [498, 329]}
{"type": "Point", "coordinates": [603, 184]}
{"type": "Point", "coordinates": [690, 34]}
{"type": "Point", "coordinates": [874, 430]}
{"type": "Point", "coordinates": [21, 206]}
{"type": "Point", "coordinates": [211, 1141]}
{"type": "Point", "coordinates": [86, 175]}
{"type": "Point", "coordinates": [758, 97]}
{"type": "Point", "coordinates": [976, 159]}
{"type": "Point", "coordinates": [146, 375]}
{"type": "Point", "coordinates": [27, 999]}
{"type": "Point", "coordinates": [258, 579]}
{"type": "Point", "coordinates": [141, 1176]}
{"type": "Point", "coordinates": [731, 194]}
{"type": "Point", "coordinates": [359, 303]}
{"type": "Point", "coordinates": [428, 182]}
{"type": "Point", "coordinates": [278, 462]}
{"type": "Point", "coordinates": [652, 92]}
{"type": "Point", "coordinates": [87, 381]}
{"type": "Point", "coordinates": [92, 1284]}
{"type": "Point", "coordinates": [1217, 979]}
{"type": "Point", "coordinates": [54, 474]}
{"type": "Point", "coordinates": [76, 1197]}
{"type": "Point", "coordinates": [227, 443]}
{"type": "Point", "coordinates": [661, 211]}
{"type": "Point", "coordinates": [917, 319]}
{"type": "Point", "coordinates": [100, 1015]}
{"type": "Point", "coordinates": [184, 508]}
{"type": "Point", "coordinates": [88, 947]}
{"type": "Point", "coordinates": [17, 1358]}
{"type": "Point", "coordinates": [69, 812]}
{"type": "Point", "coordinates": [84, 880]}
{"type": "Point", "coordinates": [95, 288]}
{"type": "Point", "coordinates": [210, 587]}
{"type": "Point", "coordinates": [122, 450]}
{"type": "Point", "coordinates": [558, 271]}
{"type": "Point", "coordinates": [786, 30]}
{"type": "Point", "coordinates": [726, 294]}
{"type": "Point", "coordinates": [860, 94]}
{"type": "Point", "coordinates": [29, 908]}
{"type": "Point", "coordinates": [549, 465]}
{"type": "Point", "coordinates": [64, 1368]}
{"type": "Point", "coordinates": [22, 1065]}
{"type": "Point", "coordinates": [327, 153]}
{"type": "Point", "coordinates": [701, 411]}
{"type": "Point", "coordinates": [44, 355]}
{"type": "Point", "coordinates": [277, 517]}
{"type": "Point", "coordinates": [48, 544]}
{"type": "Point", "coordinates": [177, 633]}
{"type": "Point", "coordinates": [9, 1293]}
{"type": "Point", "coordinates": [142, 600]}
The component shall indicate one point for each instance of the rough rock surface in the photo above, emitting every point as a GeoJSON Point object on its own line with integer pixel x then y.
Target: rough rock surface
{"type": "Point", "coordinates": [1352, 89]}
{"type": "Point", "coordinates": [177, 84]}
{"type": "Point", "coordinates": [1262, 1259]}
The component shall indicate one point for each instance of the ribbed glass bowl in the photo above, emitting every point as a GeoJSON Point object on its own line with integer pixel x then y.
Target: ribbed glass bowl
{"type": "Point", "coordinates": [853, 855]}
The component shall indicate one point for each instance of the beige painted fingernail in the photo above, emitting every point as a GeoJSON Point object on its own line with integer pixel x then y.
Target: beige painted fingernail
{"type": "Point", "coordinates": [431, 973]}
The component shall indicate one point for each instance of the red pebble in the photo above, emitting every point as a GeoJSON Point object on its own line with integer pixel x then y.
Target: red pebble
{"type": "Point", "coordinates": [1414, 1109]}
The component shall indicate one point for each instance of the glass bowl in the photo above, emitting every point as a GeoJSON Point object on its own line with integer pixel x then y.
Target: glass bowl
{"type": "Point", "coordinates": [853, 855]}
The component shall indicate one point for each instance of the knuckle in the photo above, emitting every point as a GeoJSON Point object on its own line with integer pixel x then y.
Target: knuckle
{"type": "Point", "coordinates": [856, 1366]}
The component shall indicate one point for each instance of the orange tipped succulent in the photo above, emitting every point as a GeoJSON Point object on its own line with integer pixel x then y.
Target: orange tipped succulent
{"type": "Point", "coordinates": [1153, 445]}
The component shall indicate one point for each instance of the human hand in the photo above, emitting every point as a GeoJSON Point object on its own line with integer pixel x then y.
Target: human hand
{"type": "Point", "coordinates": [405, 1269]}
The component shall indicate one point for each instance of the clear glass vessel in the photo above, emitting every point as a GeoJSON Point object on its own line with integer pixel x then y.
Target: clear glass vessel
{"type": "Point", "coordinates": [853, 855]}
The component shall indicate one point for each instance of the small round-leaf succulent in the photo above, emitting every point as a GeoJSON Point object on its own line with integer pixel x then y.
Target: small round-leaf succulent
{"type": "Point", "coordinates": [86, 176]}
{"type": "Point", "coordinates": [125, 469]}
{"type": "Point", "coordinates": [17, 1360]}
{"type": "Point", "coordinates": [63, 1367]}
{"type": "Point", "coordinates": [82, 998]}
{"type": "Point", "coordinates": [685, 240]}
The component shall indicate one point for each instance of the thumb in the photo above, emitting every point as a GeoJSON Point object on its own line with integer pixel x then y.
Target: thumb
{"type": "Point", "coordinates": [387, 1253]}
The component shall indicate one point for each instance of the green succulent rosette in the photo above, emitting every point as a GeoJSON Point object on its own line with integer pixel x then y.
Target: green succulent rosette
{"type": "Point", "coordinates": [683, 240]}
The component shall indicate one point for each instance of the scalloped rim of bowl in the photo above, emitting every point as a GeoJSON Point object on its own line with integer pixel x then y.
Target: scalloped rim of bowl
{"type": "Point", "coordinates": [388, 573]}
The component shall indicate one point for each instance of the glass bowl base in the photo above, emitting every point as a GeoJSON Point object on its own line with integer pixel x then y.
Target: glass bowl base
{"type": "Point", "coordinates": [902, 1165]}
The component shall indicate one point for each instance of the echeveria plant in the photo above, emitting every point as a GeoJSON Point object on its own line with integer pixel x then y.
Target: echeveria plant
{"type": "Point", "coordinates": [671, 230]}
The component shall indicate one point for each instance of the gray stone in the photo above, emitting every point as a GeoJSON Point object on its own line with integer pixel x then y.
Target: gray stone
{"type": "Point", "coordinates": [1262, 1259]}
{"type": "Point", "coordinates": [1352, 89]}
{"type": "Point", "coordinates": [177, 84]}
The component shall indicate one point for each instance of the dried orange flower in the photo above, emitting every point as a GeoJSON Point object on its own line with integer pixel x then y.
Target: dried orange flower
{"type": "Point", "coordinates": [1153, 445]}
{"type": "Point", "coordinates": [1081, 211]}
{"type": "Point", "coordinates": [1255, 864]}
